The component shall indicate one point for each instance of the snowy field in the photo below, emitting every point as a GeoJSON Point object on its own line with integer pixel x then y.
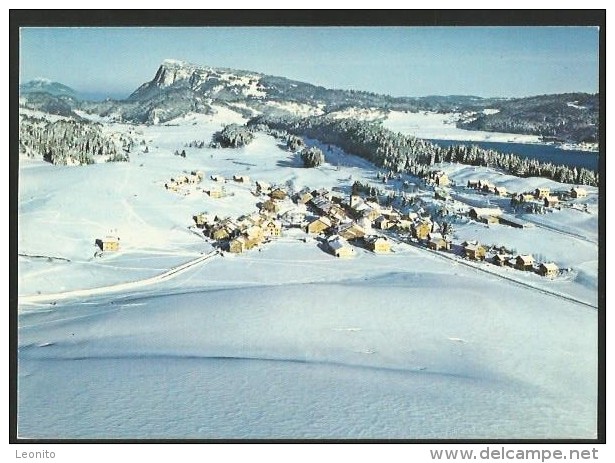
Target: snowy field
{"type": "Point", "coordinates": [288, 341]}
{"type": "Point", "coordinates": [436, 126]}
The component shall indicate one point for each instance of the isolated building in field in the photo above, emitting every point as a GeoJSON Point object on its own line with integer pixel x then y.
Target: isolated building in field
{"type": "Point", "coordinates": [339, 247]}
{"type": "Point", "coordinates": [241, 178]}
{"type": "Point", "coordinates": [378, 244]}
{"type": "Point", "coordinates": [215, 193]}
{"type": "Point", "coordinates": [109, 243]}
{"type": "Point", "coordinates": [500, 191]}
{"type": "Point", "coordinates": [548, 269]}
{"type": "Point", "coordinates": [578, 192]}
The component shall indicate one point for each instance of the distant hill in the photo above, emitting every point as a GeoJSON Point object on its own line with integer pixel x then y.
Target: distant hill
{"type": "Point", "coordinates": [47, 86]}
{"type": "Point", "coordinates": [565, 117]}
{"type": "Point", "coordinates": [178, 88]}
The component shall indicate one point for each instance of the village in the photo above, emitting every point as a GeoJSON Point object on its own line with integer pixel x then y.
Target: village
{"type": "Point", "coordinates": [369, 217]}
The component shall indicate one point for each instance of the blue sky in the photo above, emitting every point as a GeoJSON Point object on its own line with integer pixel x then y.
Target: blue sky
{"type": "Point", "coordinates": [401, 61]}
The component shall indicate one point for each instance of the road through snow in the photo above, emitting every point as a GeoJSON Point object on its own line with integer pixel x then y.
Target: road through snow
{"type": "Point", "coordinates": [37, 298]}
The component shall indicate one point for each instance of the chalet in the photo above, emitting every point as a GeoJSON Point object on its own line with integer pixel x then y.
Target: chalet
{"type": "Point", "coordinates": [321, 204]}
{"type": "Point", "coordinates": [577, 192]}
{"type": "Point", "coordinates": [272, 228]}
{"type": "Point", "coordinates": [270, 206]}
{"type": "Point", "coordinates": [378, 244]}
{"type": "Point", "coordinates": [500, 191]}
{"type": "Point", "coordinates": [548, 269]}
{"type": "Point", "coordinates": [278, 193]}
{"type": "Point", "coordinates": [474, 251]}
{"type": "Point", "coordinates": [339, 247]}
{"type": "Point", "coordinates": [171, 185]}
{"type": "Point", "coordinates": [215, 192]}
{"type": "Point", "coordinates": [514, 222]}
{"type": "Point", "coordinates": [355, 201]}
{"type": "Point", "coordinates": [220, 233]}
{"type": "Point", "coordinates": [524, 262]}
{"type": "Point", "coordinates": [524, 197]}
{"type": "Point", "coordinates": [551, 201]}
{"type": "Point", "coordinates": [439, 178]}
{"type": "Point", "coordinates": [319, 225]}
{"type": "Point", "coordinates": [351, 231]}
{"type": "Point", "coordinates": [202, 219]}
{"type": "Point", "coordinates": [182, 179]}
{"type": "Point", "coordinates": [241, 178]}
{"type": "Point", "coordinates": [403, 224]}
{"type": "Point", "coordinates": [382, 223]}
{"type": "Point", "coordinates": [473, 184]}
{"type": "Point", "coordinates": [253, 232]}
{"type": "Point", "coordinates": [421, 230]}
{"type": "Point", "coordinates": [108, 243]}
{"type": "Point", "coordinates": [501, 259]}
{"type": "Point", "coordinates": [303, 197]}
{"type": "Point", "coordinates": [218, 178]}
{"type": "Point", "coordinates": [237, 245]}
{"type": "Point", "coordinates": [370, 213]}
{"type": "Point", "coordinates": [437, 242]}
{"type": "Point", "coordinates": [540, 193]}
{"type": "Point", "coordinates": [485, 215]}
{"type": "Point", "coordinates": [337, 213]}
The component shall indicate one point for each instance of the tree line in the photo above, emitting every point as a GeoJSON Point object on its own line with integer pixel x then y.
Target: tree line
{"type": "Point", "coordinates": [403, 153]}
{"type": "Point", "coordinates": [68, 141]}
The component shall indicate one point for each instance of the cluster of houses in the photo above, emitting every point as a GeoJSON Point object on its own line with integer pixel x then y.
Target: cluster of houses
{"type": "Point", "coordinates": [473, 250]}
{"type": "Point", "coordinates": [343, 223]}
{"type": "Point", "coordinates": [176, 183]}
{"type": "Point", "coordinates": [542, 196]}
{"type": "Point", "coordinates": [241, 234]}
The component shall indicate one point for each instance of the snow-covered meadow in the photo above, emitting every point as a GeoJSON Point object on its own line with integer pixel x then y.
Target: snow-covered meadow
{"type": "Point", "coordinates": [288, 341]}
{"type": "Point", "coordinates": [441, 126]}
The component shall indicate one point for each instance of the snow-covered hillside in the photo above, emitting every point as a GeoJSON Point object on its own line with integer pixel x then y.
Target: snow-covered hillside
{"type": "Point", "coordinates": [287, 341]}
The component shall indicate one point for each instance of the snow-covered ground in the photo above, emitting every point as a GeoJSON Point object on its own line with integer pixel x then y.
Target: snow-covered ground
{"type": "Point", "coordinates": [288, 341]}
{"type": "Point", "coordinates": [437, 126]}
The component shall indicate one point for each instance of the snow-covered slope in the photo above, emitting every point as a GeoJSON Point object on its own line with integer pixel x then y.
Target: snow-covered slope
{"type": "Point", "coordinates": [288, 341]}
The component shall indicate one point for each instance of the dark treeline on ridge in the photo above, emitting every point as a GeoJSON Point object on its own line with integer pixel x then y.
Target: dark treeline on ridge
{"type": "Point", "coordinates": [402, 153]}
